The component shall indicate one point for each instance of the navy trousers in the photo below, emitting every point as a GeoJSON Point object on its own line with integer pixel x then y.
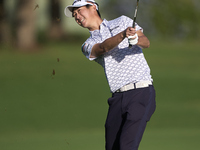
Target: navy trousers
{"type": "Point", "coordinates": [127, 117]}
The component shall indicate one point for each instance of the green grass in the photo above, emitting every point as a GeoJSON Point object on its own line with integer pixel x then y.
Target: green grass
{"type": "Point", "coordinates": [67, 111]}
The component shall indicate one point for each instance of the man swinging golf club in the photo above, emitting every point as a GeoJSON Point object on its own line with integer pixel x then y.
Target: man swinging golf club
{"type": "Point", "coordinates": [127, 72]}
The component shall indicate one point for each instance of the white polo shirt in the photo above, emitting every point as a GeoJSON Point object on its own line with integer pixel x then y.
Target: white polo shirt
{"type": "Point", "coordinates": [121, 65]}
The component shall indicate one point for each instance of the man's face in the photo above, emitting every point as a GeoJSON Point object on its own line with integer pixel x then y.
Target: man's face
{"type": "Point", "coordinates": [83, 16]}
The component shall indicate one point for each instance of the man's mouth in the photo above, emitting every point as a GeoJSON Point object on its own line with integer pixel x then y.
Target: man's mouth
{"type": "Point", "coordinates": [82, 20]}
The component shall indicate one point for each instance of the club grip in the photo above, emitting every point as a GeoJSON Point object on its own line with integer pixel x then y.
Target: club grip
{"type": "Point", "coordinates": [133, 27]}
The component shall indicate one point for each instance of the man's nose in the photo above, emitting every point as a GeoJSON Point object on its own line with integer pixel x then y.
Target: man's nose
{"type": "Point", "coordinates": [77, 16]}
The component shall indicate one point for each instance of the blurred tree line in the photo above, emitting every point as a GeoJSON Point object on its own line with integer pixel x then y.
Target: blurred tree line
{"type": "Point", "coordinates": [179, 19]}
{"type": "Point", "coordinates": [165, 18]}
{"type": "Point", "coordinates": [21, 29]}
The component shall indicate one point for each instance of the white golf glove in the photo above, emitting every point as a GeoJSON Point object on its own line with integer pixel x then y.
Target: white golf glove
{"type": "Point", "coordinates": [133, 40]}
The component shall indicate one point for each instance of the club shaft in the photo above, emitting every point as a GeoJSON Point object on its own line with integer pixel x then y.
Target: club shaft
{"type": "Point", "coordinates": [134, 20]}
{"type": "Point", "coordinates": [135, 16]}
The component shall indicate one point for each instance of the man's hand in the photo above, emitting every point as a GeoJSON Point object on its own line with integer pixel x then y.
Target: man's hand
{"type": "Point", "coordinates": [133, 40]}
{"type": "Point", "coordinates": [136, 37]}
{"type": "Point", "coordinates": [132, 36]}
{"type": "Point", "coordinates": [130, 32]}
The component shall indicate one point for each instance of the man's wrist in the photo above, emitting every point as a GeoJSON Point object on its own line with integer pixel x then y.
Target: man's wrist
{"type": "Point", "coordinates": [123, 35]}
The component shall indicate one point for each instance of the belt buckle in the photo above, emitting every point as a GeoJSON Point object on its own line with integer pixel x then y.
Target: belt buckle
{"type": "Point", "coordinates": [126, 87]}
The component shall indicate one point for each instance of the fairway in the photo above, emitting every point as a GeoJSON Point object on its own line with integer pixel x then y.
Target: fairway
{"type": "Point", "coordinates": [40, 110]}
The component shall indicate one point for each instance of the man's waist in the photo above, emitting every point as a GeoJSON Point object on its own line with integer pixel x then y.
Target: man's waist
{"type": "Point", "coordinates": [137, 85]}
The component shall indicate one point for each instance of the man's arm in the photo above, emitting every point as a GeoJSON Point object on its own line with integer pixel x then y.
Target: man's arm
{"type": "Point", "coordinates": [143, 41]}
{"type": "Point", "coordinates": [107, 45]}
{"type": "Point", "coordinates": [110, 43]}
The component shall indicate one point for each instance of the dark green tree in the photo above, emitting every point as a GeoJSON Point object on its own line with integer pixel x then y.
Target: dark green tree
{"type": "Point", "coordinates": [177, 18]}
{"type": "Point", "coordinates": [4, 25]}
{"type": "Point", "coordinates": [25, 24]}
{"type": "Point", "coordinates": [55, 30]}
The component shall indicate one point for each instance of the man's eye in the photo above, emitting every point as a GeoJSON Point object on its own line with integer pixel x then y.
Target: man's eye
{"type": "Point", "coordinates": [79, 10]}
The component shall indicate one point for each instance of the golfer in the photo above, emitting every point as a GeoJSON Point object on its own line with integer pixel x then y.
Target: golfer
{"type": "Point", "coordinates": [127, 72]}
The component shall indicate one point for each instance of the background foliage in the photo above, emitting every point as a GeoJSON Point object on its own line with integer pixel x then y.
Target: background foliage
{"type": "Point", "coordinates": [168, 19]}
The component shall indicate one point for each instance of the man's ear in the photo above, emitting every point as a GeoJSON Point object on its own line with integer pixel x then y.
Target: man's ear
{"type": "Point", "coordinates": [94, 7]}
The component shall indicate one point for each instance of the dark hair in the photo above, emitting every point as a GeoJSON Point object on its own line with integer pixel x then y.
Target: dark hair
{"type": "Point", "coordinates": [97, 10]}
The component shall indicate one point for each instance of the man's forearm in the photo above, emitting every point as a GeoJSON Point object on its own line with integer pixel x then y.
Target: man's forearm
{"type": "Point", "coordinates": [107, 45]}
{"type": "Point", "coordinates": [143, 41]}
{"type": "Point", "coordinates": [112, 42]}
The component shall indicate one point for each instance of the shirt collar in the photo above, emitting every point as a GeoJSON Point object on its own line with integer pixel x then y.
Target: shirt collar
{"type": "Point", "coordinates": [102, 26]}
{"type": "Point", "coordinates": [105, 23]}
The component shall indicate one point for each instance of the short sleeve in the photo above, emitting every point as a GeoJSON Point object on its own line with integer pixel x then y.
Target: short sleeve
{"type": "Point", "coordinates": [87, 49]}
{"type": "Point", "coordinates": [129, 23]}
{"type": "Point", "coordinates": [138, 27]}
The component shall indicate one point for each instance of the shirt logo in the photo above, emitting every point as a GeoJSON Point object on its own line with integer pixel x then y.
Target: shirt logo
{"type": "Point", "coordinates": [85, 48]}
{"type": "Point", "coordinates": [114, 28]}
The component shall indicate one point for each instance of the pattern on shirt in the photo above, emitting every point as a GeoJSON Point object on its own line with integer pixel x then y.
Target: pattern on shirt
{"type": "Point", "coordinates": [121, 65]}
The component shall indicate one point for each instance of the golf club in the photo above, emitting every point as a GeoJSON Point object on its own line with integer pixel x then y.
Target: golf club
{"type": "Point", "coordinates": [135, 16]}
